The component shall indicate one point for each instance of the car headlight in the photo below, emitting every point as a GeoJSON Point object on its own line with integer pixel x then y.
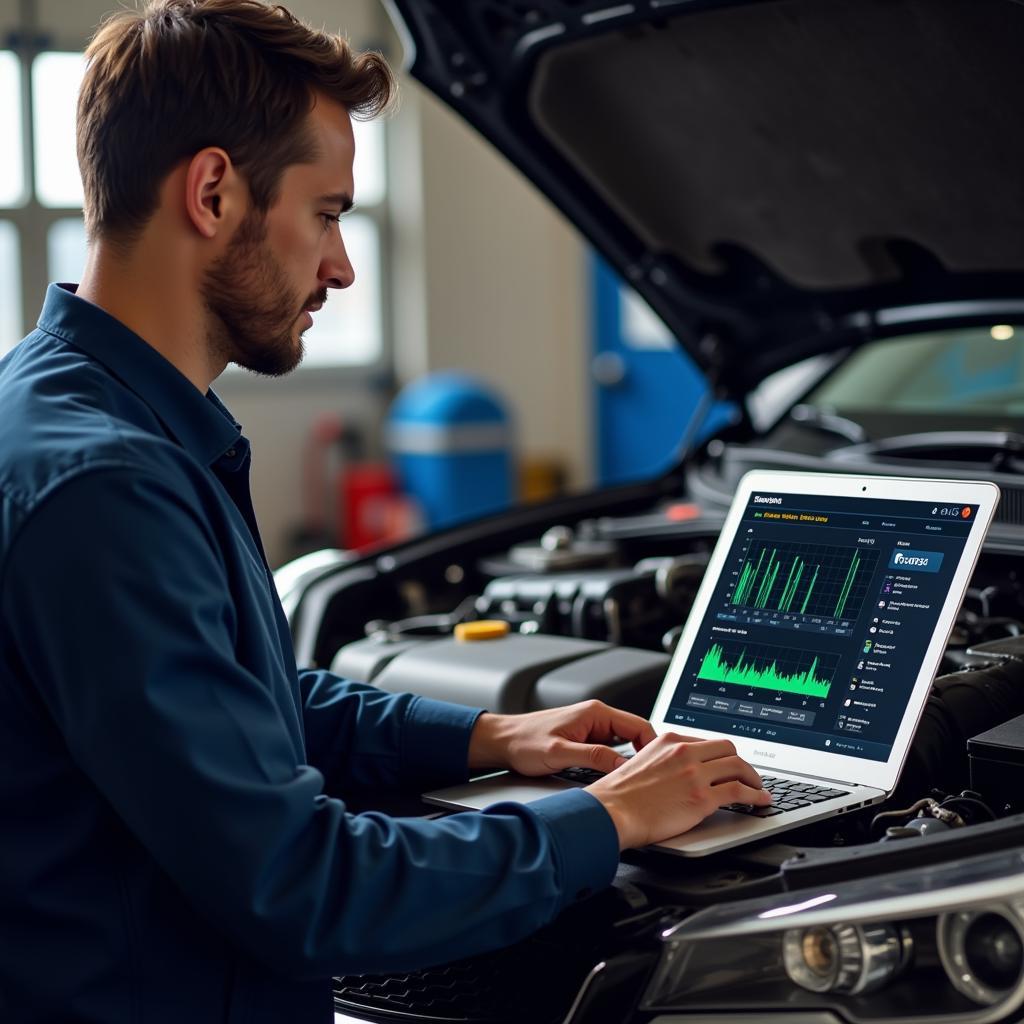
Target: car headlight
{"type": "Point", "coordinates": [844, 958]}
{"type": "Point", "coordinates": [938, 943]}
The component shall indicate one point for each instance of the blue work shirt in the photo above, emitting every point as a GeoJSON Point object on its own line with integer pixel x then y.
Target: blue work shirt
{"type": "Point", "coordinates": [175, 846]}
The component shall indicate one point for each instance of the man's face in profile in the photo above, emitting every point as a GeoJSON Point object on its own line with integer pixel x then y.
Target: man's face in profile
{"type": "Point", "coordinates": [280, 265]}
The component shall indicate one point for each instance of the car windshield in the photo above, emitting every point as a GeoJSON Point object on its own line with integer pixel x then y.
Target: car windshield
{"type": "Point", "coordinates": [971, 373]}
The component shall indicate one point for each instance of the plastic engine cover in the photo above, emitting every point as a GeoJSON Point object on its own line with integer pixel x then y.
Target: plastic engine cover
{"type": "Point", "coordinates": [509, 674]}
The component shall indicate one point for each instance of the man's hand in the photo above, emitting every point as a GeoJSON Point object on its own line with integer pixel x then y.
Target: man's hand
{"type": "Point", "coordinates": [542, 742]}
{"type": "Point", "coordinates": [674, 784]}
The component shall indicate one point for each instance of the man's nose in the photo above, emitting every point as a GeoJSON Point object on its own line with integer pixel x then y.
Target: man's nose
{"type": "Point", "coordinates": [336, 270]}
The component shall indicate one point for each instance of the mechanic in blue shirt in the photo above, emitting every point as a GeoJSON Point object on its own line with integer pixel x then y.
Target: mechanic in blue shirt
{"type": "Point", "coordinates": [175, 843]}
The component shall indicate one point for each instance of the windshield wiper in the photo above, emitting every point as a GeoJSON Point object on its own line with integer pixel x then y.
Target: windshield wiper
{"type": "Point", "coordinates": [829, 422]}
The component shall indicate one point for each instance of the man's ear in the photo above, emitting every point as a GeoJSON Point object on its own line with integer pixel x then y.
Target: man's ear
{"type": "Point", "coordinates": [213, 200]}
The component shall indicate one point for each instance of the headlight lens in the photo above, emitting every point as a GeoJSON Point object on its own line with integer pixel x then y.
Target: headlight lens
{"type": "Point", "coordinates": [812, 958]}
{"type": "Point", "coordinates": [982, 952]}
{"type": "Point", "coordinates": [843, 958]}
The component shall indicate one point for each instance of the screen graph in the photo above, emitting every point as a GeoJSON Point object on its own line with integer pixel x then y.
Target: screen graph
{"type": "Point", "coordinates": [765, 666]}
{"type": "Point", "coordinates": [804, 579]}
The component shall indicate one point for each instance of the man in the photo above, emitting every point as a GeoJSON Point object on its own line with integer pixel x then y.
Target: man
{"type": "Point", "coordinates": [176, 846]}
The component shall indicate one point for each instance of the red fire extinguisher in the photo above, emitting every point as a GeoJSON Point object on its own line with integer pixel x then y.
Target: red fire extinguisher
{"type": "Point", "coordinates": [358, 498]}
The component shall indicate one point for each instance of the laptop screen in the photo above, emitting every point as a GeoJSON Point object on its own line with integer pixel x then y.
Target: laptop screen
{"type": "Point", "coordinates": [817, 627]}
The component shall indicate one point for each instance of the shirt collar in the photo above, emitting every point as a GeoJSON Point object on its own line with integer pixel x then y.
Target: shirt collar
{"type": "Point", "coordinates": [201, 424]}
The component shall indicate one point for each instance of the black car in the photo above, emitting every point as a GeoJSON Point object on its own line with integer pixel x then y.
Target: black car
{"type": "Point", "coordinates": [822, 200]}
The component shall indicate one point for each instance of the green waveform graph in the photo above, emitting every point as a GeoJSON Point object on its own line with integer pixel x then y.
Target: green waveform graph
{"type": "Point", "coordinates": [824, 580]}
{"type": "Point", "coordinates": [767, 667]}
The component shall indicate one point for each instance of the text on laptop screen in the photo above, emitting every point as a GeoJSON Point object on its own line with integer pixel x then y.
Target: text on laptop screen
{"type": "Point", "coordinates": [816, 630]}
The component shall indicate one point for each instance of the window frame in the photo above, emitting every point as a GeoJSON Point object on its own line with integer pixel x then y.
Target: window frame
{"type": "Point", "coordinates": [30, 219]}
{"type": "Point", "coordinates": [32, 222]}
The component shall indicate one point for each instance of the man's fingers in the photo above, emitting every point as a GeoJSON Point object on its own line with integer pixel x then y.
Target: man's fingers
{"type": "Point", "coordinates": [737, 793]}
{"type": "Point", "coordinates": [631, 727]}
{"type": "Point", "coordinates": [595, 755]}
{"type": "Point", "coordinates": [725, 769]}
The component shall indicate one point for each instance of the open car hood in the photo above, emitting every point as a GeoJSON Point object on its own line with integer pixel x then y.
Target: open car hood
{"type": "Point", "coordinates": [777, 178]}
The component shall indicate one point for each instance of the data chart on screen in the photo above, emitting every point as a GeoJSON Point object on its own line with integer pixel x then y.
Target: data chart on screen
{"type": "Point", "coordinates": [804, 583]}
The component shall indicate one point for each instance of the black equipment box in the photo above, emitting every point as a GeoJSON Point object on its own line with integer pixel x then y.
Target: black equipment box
{"type": "Point", "coordinates": [997, 765]}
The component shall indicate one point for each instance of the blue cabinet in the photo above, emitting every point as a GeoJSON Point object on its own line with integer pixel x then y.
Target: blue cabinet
{"type": "Point", "coordinates": [646, 389]}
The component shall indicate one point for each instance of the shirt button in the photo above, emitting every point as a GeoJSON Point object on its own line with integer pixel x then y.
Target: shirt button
{"type": "Point", "coordinates": [231, 453]}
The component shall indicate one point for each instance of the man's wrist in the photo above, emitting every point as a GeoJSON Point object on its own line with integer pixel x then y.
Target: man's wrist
{"type": "Point", "coordinates": [488, 742]}
{"type": "Point", "coordinates": [620, 818]}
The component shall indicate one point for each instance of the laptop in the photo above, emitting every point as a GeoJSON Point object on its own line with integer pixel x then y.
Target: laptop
{"type": "Point", "coordinates": [812, 644]}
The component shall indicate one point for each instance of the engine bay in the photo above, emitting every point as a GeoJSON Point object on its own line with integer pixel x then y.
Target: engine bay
{"type": "Point", "coordinates": [590, 606]}
{"type": "Point", "coordinates": [593, 610]}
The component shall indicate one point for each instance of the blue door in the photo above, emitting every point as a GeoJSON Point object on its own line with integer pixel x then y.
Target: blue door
{"type": "Point", "coordinates": [646, 389]}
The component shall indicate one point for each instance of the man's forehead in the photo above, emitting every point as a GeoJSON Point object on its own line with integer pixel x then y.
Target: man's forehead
{"type": "Point", "coordinates": [330, 123]}
{"type": "Point", "coordinates": [331, 128]}
{"type": "Point", "coordinates": [324, 181]}
{"type": "Point", "coordinates": [326, 174]}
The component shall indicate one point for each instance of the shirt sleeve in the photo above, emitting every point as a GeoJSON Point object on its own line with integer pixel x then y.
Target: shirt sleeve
{"type": "Point", "coordinates": [115, 596]}
{"type": "Point", "coordinates": [361, 738]}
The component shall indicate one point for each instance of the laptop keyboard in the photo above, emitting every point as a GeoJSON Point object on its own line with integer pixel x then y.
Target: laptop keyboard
{"type": "Point", "coordinates": [787, 794]}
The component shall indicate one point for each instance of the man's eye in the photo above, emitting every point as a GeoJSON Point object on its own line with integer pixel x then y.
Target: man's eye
{"type": "Point", "coordinates": [329, 218]}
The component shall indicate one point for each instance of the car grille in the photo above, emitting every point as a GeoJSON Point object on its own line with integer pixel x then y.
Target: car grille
{"type": "Point", "coordinates": [535, 980]}
{"type": "Point", "coordinates": [1011, 506]}
{"type": "Point", "coordinates": [529, 982]}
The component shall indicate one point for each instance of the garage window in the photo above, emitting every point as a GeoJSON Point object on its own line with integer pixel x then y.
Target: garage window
{"type": "Point", "coordinates": [12, 168]}
{"type": "Point", "coordinates": [10, 287]}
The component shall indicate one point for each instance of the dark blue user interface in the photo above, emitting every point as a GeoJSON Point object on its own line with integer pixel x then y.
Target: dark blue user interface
{"type": "Point", "coordinates": [818, 625]}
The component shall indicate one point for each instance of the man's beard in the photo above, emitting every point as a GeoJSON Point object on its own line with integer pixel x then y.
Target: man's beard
{"type": "Point", "coordinates": [251, 305]}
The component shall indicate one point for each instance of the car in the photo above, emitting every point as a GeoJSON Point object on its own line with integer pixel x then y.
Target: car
{"type": "Point", "coordinates": [821, 200]}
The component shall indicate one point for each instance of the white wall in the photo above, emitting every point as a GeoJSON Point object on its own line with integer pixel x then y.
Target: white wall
{"type": "Point", "coordinates": [505, 285]}
{"type": "Point", "coordinates": [486, 277]}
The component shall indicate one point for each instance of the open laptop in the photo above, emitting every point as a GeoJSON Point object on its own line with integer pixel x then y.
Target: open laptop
{"type": "Point", "coordinates": [812, 644]}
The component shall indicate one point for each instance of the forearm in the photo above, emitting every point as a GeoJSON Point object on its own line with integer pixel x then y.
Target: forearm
{"type": "Point", "coordinates": [372, 894]}
{"type": "Point", "coordinates": [360, 737]}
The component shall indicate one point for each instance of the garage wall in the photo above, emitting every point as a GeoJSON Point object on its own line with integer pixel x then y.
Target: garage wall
{"type": "Point", "coordinates": [486, 277]}
{"type": "Point", "coordinates": [506, 286]}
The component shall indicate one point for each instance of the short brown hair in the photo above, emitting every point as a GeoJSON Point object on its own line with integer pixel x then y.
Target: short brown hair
{"type": "Point", "coordinates": [167, 81]}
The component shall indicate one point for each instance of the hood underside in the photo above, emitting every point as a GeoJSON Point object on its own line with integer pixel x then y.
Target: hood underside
{"type": "Point", "coordinates": [777, 178]}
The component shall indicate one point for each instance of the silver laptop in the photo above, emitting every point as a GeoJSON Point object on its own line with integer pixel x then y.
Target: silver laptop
{"type": "Point", "coordinates": [812, 644]}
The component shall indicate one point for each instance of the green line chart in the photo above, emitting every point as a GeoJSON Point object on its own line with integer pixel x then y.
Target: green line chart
{"type": "Point", "coordinates": [804, 579]}
{"type": "Point", "coordinates": [765, 666]}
